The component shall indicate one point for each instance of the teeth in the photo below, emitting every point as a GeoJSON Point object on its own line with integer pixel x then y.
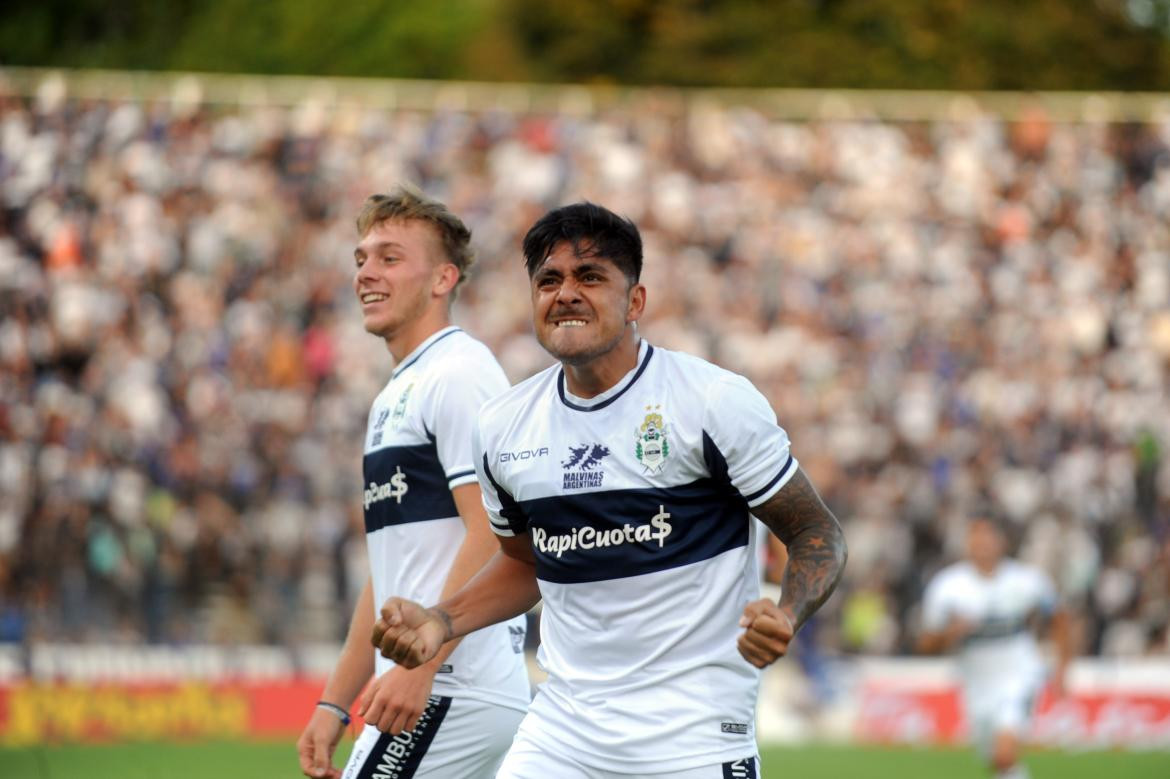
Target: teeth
{"type": "Point", "coordinates": [372, 297]}
{"type": "Point", "coordinates": [571, 323]}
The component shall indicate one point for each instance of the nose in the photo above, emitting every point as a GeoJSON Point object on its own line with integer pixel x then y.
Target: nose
{"type": "Point", "coordinates": [568, 291]}
{"type": "Point", "coordinates": [363, 272]}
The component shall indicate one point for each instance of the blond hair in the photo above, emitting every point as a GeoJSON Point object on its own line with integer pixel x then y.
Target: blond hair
{"type": "Point", "coordinates": [406, 203]}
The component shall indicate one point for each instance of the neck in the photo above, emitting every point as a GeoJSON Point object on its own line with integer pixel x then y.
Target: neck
{"type": "Point", "coordinates": [986, 568]}
{"type": "Point", "coordinates": [407, 338]}
{"type": "Point", "coordinates": [590, 379]}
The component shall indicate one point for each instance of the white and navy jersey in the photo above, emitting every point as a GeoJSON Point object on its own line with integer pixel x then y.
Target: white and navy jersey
{"type": "Point", "coordinates": [637, 506]}
{"type": "Point", "coordinates": [1001, 650]}
{"type": "Point", "coordinates": [418, 448]}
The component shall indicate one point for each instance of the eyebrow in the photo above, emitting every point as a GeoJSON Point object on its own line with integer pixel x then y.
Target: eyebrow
{"type": "Point", "coordinates": [380, 246]}
{"type": "Point", "coordinates": [588, 267]}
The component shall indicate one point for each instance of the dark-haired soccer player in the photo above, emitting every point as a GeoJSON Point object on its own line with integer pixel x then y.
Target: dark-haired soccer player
{"type": "Point", "coordinates": [634, 524]}
{"type": "Point", "coordinates": [984, 608]}
{"type": "Point", "coordinates": [455, 715]}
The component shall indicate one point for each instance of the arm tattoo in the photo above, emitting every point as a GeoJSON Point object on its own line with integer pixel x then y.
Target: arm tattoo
{"type": "Point", "coordinates": [816, 545]}
{"type": "Point", "coordinates": [445, 619]}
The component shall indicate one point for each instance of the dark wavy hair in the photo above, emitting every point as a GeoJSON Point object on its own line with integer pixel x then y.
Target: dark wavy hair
{"type": "Point", "coordinates": [592, 231]}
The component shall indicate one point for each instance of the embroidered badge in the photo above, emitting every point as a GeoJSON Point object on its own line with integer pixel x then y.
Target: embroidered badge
{"type": "Point", "coordinates": [651, 446]}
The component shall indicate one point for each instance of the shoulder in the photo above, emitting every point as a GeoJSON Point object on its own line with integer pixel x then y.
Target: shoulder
{"type": "Point", "coordinates": [953, 576]}
{"type": "Point", "coordinates": [463, 356]}
{"type": "Point", "coordinates": [699, 374]}
{"type": "Point", "coordinates": [518, 401]}
{"type": "Point", "coordinates": [1025, 573]}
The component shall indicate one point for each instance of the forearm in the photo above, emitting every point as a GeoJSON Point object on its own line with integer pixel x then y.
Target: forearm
{"type": "Point", "coordinates": [815, 543]}
{"type": "Point", "coordinates": [356, 664]}
{"type": "Point", "coordinates": [933, 643]}
{"type": "Point", "coordinates": [475, 551]}
{"type": "Point", "coordinates": [1062, 639]}
{"type": "Point", "coordinates": [816, 559]}
{"type": "Point", "coordinates": [506, 587]}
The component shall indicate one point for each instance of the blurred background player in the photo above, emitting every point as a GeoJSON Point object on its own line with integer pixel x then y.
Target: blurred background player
{"type": "Point", "coordinates": [426, 528]}
{"type": "Point", "coordinates": [986, 607]}
{"type": "Point", "coordinates": [631, 522]}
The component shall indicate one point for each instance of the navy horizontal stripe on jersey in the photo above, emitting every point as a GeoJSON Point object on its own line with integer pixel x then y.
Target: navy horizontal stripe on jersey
{"type": "Point", "coordinates": [427, 495]}
{"type": "Point", "coordinates": [595, 536]}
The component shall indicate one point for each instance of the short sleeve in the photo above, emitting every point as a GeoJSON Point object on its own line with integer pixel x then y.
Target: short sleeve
{"type": "Point", "coordinates": [935, 611]}
{"type": "Point", "coordinates": [742, 441]}
{"type": "Point", "coordinates": [505, 515]}
{"type": "Point", "coordinates": [1046, 597]}
{"type": "Point", "coordinates": [450, 414]}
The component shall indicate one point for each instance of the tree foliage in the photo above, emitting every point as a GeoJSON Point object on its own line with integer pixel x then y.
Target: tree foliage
{"type": "Point", "coordinates": [941, 44]}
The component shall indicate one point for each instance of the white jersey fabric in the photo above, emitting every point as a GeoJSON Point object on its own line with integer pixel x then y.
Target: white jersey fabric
{"type": "Point", "coordinates": [637, 505]}
{"type": "Point", "coordinates": [418, 448]}
{"type": "Point", "coordinates": [999, 662]}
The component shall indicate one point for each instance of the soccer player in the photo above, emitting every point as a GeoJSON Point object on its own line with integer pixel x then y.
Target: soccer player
{"type": "Point", "coordinates": [426, 528]}
{"type": "Point", "coordinates": [622, 483]}
{"type": "Point", "coordinates": [985, 606]}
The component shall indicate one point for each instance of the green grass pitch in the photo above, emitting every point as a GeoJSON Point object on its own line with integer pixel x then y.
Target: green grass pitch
{"type": "Point", "coordinates": [242, 760]}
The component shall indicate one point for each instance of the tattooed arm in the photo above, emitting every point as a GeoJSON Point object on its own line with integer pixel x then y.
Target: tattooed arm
{"type": "Point", "coordinates": [816, 558]}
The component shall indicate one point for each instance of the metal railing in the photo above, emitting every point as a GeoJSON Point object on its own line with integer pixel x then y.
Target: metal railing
{"type": "Point", "coordinates": [188, 90]}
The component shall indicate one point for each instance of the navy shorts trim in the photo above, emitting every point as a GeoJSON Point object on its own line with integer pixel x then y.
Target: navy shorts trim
{"type": "Point", "coordinates": [399, 757]}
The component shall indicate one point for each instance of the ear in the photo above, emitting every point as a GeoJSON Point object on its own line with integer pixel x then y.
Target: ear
{"type": "Point", "coordinates": [637, 303]}
{"type": "Point", "coordinates": [445, 279]}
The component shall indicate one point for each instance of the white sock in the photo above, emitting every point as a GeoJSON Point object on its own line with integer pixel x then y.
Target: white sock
{"type": "Point", "coordinates": [1018, 771]}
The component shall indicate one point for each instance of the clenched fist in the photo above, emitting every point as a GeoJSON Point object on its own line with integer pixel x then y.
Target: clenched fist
{"type": "Point", "coordinates": [408, 634]}
{"type": "Point", "coordinates": [769, 629]}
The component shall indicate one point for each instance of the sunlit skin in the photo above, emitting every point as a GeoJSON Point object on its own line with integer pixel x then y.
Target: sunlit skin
{"type": "Point", "coordinates": [402, 281]}
{"type": "Point", "coordinates": [584, 310]}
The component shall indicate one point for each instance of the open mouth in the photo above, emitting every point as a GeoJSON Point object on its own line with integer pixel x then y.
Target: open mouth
{"type": "Point", "coordinates": [373, 297]}
{"type": "Point", "coordinates": [571, 323]}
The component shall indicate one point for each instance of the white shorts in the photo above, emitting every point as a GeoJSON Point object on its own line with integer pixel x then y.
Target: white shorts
{"type": "Point", "coordinates": [455, 737]}
{"type": "Point", "coordinates": [1001, 708]}
{"type": "Point", "coordinates": [526, 760]}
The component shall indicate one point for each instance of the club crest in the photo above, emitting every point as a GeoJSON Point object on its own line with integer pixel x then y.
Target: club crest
{"type": "Point", "coordinates": [651, 445]}
{"type": "Point", "coordinates": [400, 407]}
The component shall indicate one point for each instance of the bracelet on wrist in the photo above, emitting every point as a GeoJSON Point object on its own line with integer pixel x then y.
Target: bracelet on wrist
{"type": "Point", "coordinates": [341, 713]}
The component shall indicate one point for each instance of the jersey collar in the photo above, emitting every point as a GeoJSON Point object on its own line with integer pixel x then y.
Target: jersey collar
{"type": "Point", "coordinates": [419, 350]}
{"type": "Point", "coordinates": [598, 402]}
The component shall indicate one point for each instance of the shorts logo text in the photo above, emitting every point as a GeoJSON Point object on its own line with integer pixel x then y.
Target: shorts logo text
{"type": "Point", "coordinates": [744, 768]}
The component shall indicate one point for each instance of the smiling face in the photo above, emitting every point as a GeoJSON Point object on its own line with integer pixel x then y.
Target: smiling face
{"type": "Point", "coordinates": [397, 274]}
{"type": "Point", "coordinates": [582, 305]}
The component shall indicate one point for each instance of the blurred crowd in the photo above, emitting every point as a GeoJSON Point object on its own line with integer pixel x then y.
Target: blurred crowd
{"type": "Point", "coordinates": [949, 318]}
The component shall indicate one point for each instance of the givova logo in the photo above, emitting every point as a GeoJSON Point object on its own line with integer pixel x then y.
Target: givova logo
{"type": "Point", "coordinates": [744, 768]}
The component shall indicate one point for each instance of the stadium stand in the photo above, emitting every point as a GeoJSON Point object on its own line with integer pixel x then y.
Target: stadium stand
{"type": "Point", "coordinates": [952, 308]}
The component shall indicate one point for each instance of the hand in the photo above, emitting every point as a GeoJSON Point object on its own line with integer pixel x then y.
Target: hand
{"type": "Point", "coordinates": [769, 629]}
{"type": "Point", "coordinates": [957, 631]}
{"type": "Point", "coordinates": [395, 700]}
{"type": "Point", "coordinates": [408, 634]}
{"type": "Point", "coordinates": [315, 746]}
